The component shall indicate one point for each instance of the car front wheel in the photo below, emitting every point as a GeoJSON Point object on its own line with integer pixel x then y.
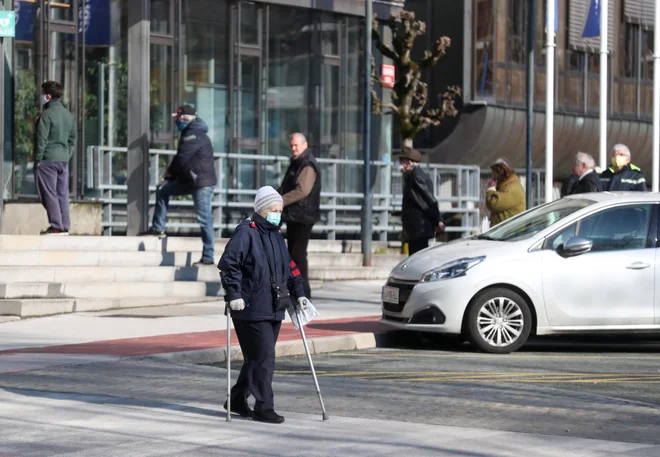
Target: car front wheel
{"type": "Point", "coordinates": [498, 321]}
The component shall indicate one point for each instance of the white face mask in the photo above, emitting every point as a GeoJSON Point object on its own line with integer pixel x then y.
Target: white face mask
{"type": "Point", "coordinates": [44, 99]}
{"type": "Point", "coordinates": [402, 168]}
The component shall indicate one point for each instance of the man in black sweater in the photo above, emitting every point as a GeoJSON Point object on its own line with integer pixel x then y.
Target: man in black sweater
{"type": "Point", "coordinates": [587, 179]}
{"type": "Point", "coordinates": [420, 215]}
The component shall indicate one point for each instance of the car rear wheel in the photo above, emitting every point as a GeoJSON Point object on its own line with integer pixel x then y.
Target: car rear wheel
{"type": "Point", "coordinates": [498, 321]}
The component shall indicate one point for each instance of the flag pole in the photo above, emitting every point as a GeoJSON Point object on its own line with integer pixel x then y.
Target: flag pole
{"type": "Point", "coordinates": [656, 100]}
{"type": "Point", "coordinates": [549, 100]}
{"type": "Point", "coordinates": [603, 83]}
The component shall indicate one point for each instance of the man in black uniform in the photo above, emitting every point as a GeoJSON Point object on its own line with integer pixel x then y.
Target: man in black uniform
{"type": "Point", "coordinates": [623, 175]}
{"type": "Point", "coordinates": [420, 215]}
{"type": "Point", "coordinates": [586, 178]}
{"type": "Point", "coordinates": [301, 192]}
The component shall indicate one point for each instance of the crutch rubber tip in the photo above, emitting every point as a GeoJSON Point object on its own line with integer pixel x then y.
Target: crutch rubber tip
{"type": "Point", "coordinates": [325, 417]}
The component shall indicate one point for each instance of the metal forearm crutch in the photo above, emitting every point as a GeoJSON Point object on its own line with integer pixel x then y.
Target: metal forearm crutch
{"type": "Point", "coordinates": [228, 363]}
{"type": "Point", "coordinates": [311, 365]}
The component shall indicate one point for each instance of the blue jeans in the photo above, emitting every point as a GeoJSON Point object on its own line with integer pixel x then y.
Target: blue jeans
{"type": "Point", "coordinates": [202, 197]}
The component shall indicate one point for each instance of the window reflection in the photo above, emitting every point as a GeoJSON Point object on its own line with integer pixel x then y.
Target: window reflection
{"type": "Point", "coordinates": [288, 76]}
{"type": "Point", "coordinates": [161, 94]}
{"type": "Point", "coordinates": [484, 47]}
{"type": "Point", "coordinates": [206, 70]}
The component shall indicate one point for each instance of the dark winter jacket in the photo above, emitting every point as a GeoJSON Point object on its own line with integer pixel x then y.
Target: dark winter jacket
{"type": "Point", "coordinates": [420, 214]}
{"type": "Point", "coordinates": [193, 162]}
{"type": "Point", "coordinates": [629, 178]}
{"type": "Point", "coordinates": [56, 134]}
{"type": "Point", "coordinates": [589, 183]}
{"type": "Point", "coordinates": [245, 272]}
{"type": "Point", "coordinates": [307, 210]}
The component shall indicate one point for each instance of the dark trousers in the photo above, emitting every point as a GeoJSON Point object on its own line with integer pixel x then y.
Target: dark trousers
{"type": "Point", "coordinates": [203, 200]}
{"type": "Point", "coordinates": [414, 246]}
{"type": "Point", "coordinates": [297, 236]}
{"type": "Point", "coordinates": [257, 340]}
{"type": "Point", "coordinates": [52, 179]}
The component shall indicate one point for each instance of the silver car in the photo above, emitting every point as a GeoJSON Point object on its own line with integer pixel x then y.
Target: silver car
{"type": "Point", "coordinates": [583, 264]}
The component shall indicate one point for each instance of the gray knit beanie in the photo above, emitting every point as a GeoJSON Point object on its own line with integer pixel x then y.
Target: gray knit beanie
{"type": "Point", "coordinates": [266, 196]}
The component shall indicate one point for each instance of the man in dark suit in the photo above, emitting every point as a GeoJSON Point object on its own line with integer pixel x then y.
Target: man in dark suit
{"type": "Point", "coordinates": [420, 214]}
{"type": "Point", "coordinates": [587, 179]}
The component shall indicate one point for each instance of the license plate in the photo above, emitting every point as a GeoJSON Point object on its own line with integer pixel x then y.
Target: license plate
{"type": "Point", "coordinates": [391, 294]}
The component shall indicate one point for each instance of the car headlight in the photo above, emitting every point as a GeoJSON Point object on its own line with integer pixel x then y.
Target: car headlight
{"type": "Point", "coordinates": [450, 270]}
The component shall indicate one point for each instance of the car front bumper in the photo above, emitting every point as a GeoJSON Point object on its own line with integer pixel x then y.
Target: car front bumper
{"type": "Point", "coordinates": [428, 307]}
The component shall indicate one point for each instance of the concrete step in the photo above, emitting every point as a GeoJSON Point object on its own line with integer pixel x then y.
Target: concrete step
{"type": "Point", "coordinates": [154, 244]}
{"type": "Point", "coordinates": [90, 289]}
{"type": "Point", "coordinates": [350, 273]}
{"type": "Point", "coordinates": [168, 259]}
{"type": "Point", "coordinates": [63, 274]}
{"type": "Point", "coordinates": [13, 309]}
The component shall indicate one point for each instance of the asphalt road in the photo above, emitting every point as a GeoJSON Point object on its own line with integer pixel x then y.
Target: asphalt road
{"type": "Point", "coordinates": [591, 388]}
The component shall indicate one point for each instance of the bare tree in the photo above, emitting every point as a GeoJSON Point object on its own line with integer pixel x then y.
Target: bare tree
{"type": "Point", "coordinates": [410, 92]}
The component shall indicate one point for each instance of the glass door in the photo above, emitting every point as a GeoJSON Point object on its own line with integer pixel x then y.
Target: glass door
{"type": "Point", "coordinates": [45, 48]}
{"type": "Point", "coordinates": [246, 103]}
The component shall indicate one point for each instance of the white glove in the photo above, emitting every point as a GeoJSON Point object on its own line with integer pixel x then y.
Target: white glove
{"type": "Point", "coordinates": [237, 305]}
{"type": "Point", "coordinates": [303, 303]}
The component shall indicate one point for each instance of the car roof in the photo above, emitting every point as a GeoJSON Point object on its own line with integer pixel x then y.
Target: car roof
{"type": "Point", "coordinates": [619, 197]}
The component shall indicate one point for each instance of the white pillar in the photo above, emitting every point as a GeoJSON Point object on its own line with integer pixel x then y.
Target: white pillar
{"type": "Point", "coordinates": [656, 99]}
{"type": "Point", "coordinates": [603, 83]}
{"type": "Point", "coordinates": [549, 100]}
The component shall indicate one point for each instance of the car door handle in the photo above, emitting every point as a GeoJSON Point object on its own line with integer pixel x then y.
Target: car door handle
{"type": "Point", "coordinates": [638, 266]}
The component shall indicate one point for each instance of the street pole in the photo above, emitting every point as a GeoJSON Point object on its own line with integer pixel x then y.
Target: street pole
{"type": "Point", "coordinates": [549, 99]}
{"type": "Point", "coordinates": [367, 231]}
{"type": "Point", "coordinates": [530, 99]}
{"type": "Point", "coordinates": [603, 84]}
{"type": "Point", "coordinates": [656, 100]}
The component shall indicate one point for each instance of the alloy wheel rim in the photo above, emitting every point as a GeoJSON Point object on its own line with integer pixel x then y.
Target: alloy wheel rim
{"type": "Point", "coordinates": [500, 321]}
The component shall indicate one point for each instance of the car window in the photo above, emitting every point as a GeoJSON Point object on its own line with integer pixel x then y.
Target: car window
{"type": "Point", "coordinates": [614, 229]}
{"type": "Point", "coordinates": [531, 222]}
{"type": "Point", "coordinates": [560, 238]}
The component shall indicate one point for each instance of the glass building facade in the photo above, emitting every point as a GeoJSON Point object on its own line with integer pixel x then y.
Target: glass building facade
{"type": "Point", "coordinates": [255, 71]}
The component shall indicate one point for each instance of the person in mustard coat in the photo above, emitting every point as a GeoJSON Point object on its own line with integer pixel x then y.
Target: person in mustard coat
{"type": "Point", "coordinates": [505, 196]}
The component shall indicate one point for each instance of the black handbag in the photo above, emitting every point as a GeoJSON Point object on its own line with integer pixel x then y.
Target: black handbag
{"type": "Point", "coordinates": [280, 290]}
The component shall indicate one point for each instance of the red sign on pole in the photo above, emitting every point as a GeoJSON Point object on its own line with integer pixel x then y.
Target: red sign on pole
{"type": "Point", "coordinates": [387, 76]}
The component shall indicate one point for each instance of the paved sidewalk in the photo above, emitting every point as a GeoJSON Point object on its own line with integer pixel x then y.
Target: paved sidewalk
{"type": "Point", "coordinates": [194, 333]}
{"type": "Point", "coordinates": [104, 426]}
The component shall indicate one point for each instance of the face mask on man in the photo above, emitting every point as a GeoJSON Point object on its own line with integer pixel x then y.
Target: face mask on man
{"type": "Point", "coordinates": [181, 125]}
{"type": "Point", "coordinates": [274, 218]}
{"type": "Point", "coordinates": [44, 99]}
{"type": "Point", "coordinates": [619, 162]}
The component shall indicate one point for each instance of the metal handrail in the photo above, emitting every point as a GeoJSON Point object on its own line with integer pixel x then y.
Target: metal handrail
{"type": "Point", "coordinates": [456, 187]}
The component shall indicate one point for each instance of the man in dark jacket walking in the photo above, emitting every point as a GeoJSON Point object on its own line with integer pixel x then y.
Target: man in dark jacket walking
{"type": "Point", "coordinates": [623, 175]}
{"type": "Point", "coordinates": [55, 138]}
{"type": "Point", "coordinates": [420, 215]}
{"type": "Point", "coordinates": [586, 178]}
{"type": "Point", "coordinates": [255, 260]}
{"type": "Point", "coordinates": [301, 191]}
{"type": "Point", "coordinates": [192, 171]}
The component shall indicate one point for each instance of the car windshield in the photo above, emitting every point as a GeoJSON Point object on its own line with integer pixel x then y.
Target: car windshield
{"type": "Point", "coordinates": [533, 221]}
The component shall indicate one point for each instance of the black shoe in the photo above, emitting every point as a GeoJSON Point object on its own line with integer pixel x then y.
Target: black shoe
{"type": "Point", "coordinates": [54, 231]}
{"type": "Point", "coordinates": [239, 408]}
{"type": "Point", "coordinates": [203, 262]}
{"type": "Point", "coordinates": [152, 232]}
{"type": "Point", "coordinates": [269, 416]}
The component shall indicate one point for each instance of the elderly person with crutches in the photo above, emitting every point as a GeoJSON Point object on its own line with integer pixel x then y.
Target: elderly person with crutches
{"type": "Point", "coordinates": [260, 282]}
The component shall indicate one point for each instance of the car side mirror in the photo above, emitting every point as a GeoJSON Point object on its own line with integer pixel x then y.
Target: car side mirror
{"type": "Point", "coordinates": [576, 245]}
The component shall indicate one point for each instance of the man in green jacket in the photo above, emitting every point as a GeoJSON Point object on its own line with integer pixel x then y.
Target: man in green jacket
{"type": "Point", "coordinates": [55, 139]}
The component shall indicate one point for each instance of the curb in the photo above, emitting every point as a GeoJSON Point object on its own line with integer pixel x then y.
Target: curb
{"type": "Point", "coordinates": [320, 345]}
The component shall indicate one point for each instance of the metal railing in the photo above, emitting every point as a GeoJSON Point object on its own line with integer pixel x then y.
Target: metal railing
{"type": "Point", "coordinates": [456, 187]}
